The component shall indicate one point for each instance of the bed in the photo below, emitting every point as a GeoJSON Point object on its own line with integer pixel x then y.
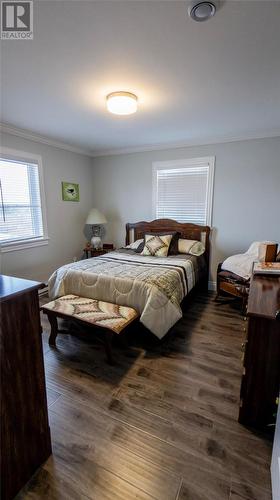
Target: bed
{"type": "Point", "coordinates": [154, 286]}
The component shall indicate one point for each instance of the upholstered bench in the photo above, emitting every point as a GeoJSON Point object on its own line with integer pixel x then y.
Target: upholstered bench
{"type": "Point", "coordinates": [112, 318]}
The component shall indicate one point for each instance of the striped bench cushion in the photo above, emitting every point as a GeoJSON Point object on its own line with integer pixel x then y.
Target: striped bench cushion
{"type": "Point", "coordinates": [95, 312]}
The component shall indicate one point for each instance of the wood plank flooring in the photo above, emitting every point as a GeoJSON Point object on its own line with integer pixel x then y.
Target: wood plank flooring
{"type": "Point", "coordinates": [161, 424]}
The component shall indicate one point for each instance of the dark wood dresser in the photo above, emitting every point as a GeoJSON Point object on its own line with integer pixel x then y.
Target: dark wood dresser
{"type": "Point", "coordinates": [261, 373]}
{"type": "Point", "coordinates": [25, 433]}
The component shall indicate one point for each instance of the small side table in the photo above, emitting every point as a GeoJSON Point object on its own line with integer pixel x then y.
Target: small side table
{"type": "Point", "coordinates": [91, 252]}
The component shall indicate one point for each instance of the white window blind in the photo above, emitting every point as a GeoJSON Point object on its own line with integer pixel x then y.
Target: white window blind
{"type": "Point", "coordinates": [183, 190]}
{"type": "Point", "coordinates": [20, 202]}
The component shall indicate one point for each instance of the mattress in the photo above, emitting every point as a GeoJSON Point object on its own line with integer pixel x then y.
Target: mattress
{"type": "Point", "coordinates": [153, 286]}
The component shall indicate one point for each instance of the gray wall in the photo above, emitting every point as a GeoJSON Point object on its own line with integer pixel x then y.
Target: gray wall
{"type": "Point", "coordinates": [246, 198]}
{"type": "Point", "coordinates": [246, 192]}
{"type": "Point", "coordinates": [65, 219]}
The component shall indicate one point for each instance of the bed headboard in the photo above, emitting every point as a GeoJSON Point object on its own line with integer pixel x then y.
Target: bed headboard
{"type": "Point", "coordinates": [136, 230]}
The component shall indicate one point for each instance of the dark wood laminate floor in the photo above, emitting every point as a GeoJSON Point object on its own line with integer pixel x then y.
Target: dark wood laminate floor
{"type": "Point", "coordinates": [160, 424]}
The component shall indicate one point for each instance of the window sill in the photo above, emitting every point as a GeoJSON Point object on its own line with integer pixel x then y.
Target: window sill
{"type": "Point", "coordinates": [22, 245]}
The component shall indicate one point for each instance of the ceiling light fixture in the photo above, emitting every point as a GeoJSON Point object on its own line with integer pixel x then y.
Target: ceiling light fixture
{"type": "Point", "coordinates": [122, 103]}
{"type": "Point", "coordinates": [201, 11]}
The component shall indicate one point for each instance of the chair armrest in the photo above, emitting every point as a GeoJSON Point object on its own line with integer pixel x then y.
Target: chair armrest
{"type": "Point", "coordinates": [219, 268]}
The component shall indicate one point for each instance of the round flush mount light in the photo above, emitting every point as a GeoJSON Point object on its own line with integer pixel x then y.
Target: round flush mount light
{"type": "Point", "coordinates": [122, 103]}
{"type": "Point", "coordinates": [201, 11]}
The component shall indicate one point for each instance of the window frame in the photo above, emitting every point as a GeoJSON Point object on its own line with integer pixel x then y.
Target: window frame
{"type": "Point", "coordinates": [188, 163]}
{"type": "Point", "coordinates": [21, 156]}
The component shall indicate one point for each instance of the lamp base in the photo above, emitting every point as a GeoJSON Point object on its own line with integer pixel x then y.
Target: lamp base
{"type": "Point", "coordinates": [96, 243]}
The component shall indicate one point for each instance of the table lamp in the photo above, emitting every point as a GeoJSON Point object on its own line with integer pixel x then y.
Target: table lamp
{"type": "Point", "coordinates": [96, 219]}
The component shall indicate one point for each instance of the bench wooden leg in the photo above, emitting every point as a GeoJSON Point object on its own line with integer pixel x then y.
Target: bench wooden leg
{"type": "Point", "coordinates": [54, 329]}
{"type": "Point", "coordinates": [108, 337]}
{"type": "Point", "coordinates": [123, 341]}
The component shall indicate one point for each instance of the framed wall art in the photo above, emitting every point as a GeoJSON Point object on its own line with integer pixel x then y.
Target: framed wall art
{"type": "Point", "coordinates": [70, 191]}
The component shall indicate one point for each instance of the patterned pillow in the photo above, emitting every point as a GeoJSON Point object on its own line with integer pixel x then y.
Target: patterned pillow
{"type": "Point", "coordinates": [135, 245]}
{"type": "Point", "coordinates": [173, 249]}
{"type": "Point", "coordinates": [140, 247]}
{"type": "Point", "coordinates": [192, 247]}
{"type": "Point", "coordinates": [157, 246]}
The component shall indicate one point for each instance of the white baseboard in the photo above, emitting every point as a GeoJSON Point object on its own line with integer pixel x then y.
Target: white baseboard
{"type": "Point", "coordinates": [212, 285]}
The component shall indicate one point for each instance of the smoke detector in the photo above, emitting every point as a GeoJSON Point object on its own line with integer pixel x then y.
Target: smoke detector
{"type": "Point", "coordinates": [201, 11]}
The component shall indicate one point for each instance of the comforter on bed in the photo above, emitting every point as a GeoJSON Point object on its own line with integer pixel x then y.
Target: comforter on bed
{"type": "Point", "coordinates": [153, 286]}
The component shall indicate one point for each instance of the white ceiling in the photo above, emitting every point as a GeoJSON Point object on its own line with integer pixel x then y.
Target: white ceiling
{"type": "Point", "coordinates": [195, 81]}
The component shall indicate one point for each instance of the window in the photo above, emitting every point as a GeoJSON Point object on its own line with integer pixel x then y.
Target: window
{"type": "Point", "coordinates": [22, 214]}
{"type": "Point", "coordinates": [183, 190]}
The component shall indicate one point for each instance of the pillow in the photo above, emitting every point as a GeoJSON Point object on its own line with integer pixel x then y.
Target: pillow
{"type": "Point", "coordinates": [140, 247]}
{"type": "Point", "coordinates": [173, 249]}
{"type": "Point", "coordinates": [157, 245]}
{"type": "Point", "coordinates": [135, 245]}
{"type": "Point", "coordinates": [193, 247]}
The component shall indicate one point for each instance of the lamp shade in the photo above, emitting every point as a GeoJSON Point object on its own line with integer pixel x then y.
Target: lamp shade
{"type": "Point", "coordinates": [95, 217]}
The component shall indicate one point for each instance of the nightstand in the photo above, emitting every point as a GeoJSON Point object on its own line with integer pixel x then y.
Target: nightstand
{"type": "Point", "coordinates": [91, 252]}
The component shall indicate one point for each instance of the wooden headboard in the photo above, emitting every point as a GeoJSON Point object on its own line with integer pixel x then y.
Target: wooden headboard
{"type": "Point", "coordinates": [187, 230]}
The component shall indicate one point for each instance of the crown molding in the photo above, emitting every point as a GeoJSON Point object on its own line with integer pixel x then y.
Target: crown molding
{"type": "Point", "coordinates": [183, 144]}
{"type": "Point", "coordinates": [31, 136]}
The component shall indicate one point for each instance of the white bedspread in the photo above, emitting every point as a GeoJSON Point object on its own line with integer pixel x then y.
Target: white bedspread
{"type": "Point", "coordinates": [153, 286]}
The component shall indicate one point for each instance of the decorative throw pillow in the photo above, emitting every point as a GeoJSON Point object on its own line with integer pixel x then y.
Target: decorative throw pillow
{"type": "Point", "coordinates": [140, 247]}
{"type": "Point", "coordinates": [193, 247]}
{"type": "Point", "coordinates": [135, 245]}
{"type": "Point", "coordinates": [157, 246]}
{"type": "Point", "coordinates": [173, 249]}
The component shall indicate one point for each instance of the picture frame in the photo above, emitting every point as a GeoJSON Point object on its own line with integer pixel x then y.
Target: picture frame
{"type": "Point", "coordinates": [70, 191]}
{"type": "Point", "coordinates": [266, 268]}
